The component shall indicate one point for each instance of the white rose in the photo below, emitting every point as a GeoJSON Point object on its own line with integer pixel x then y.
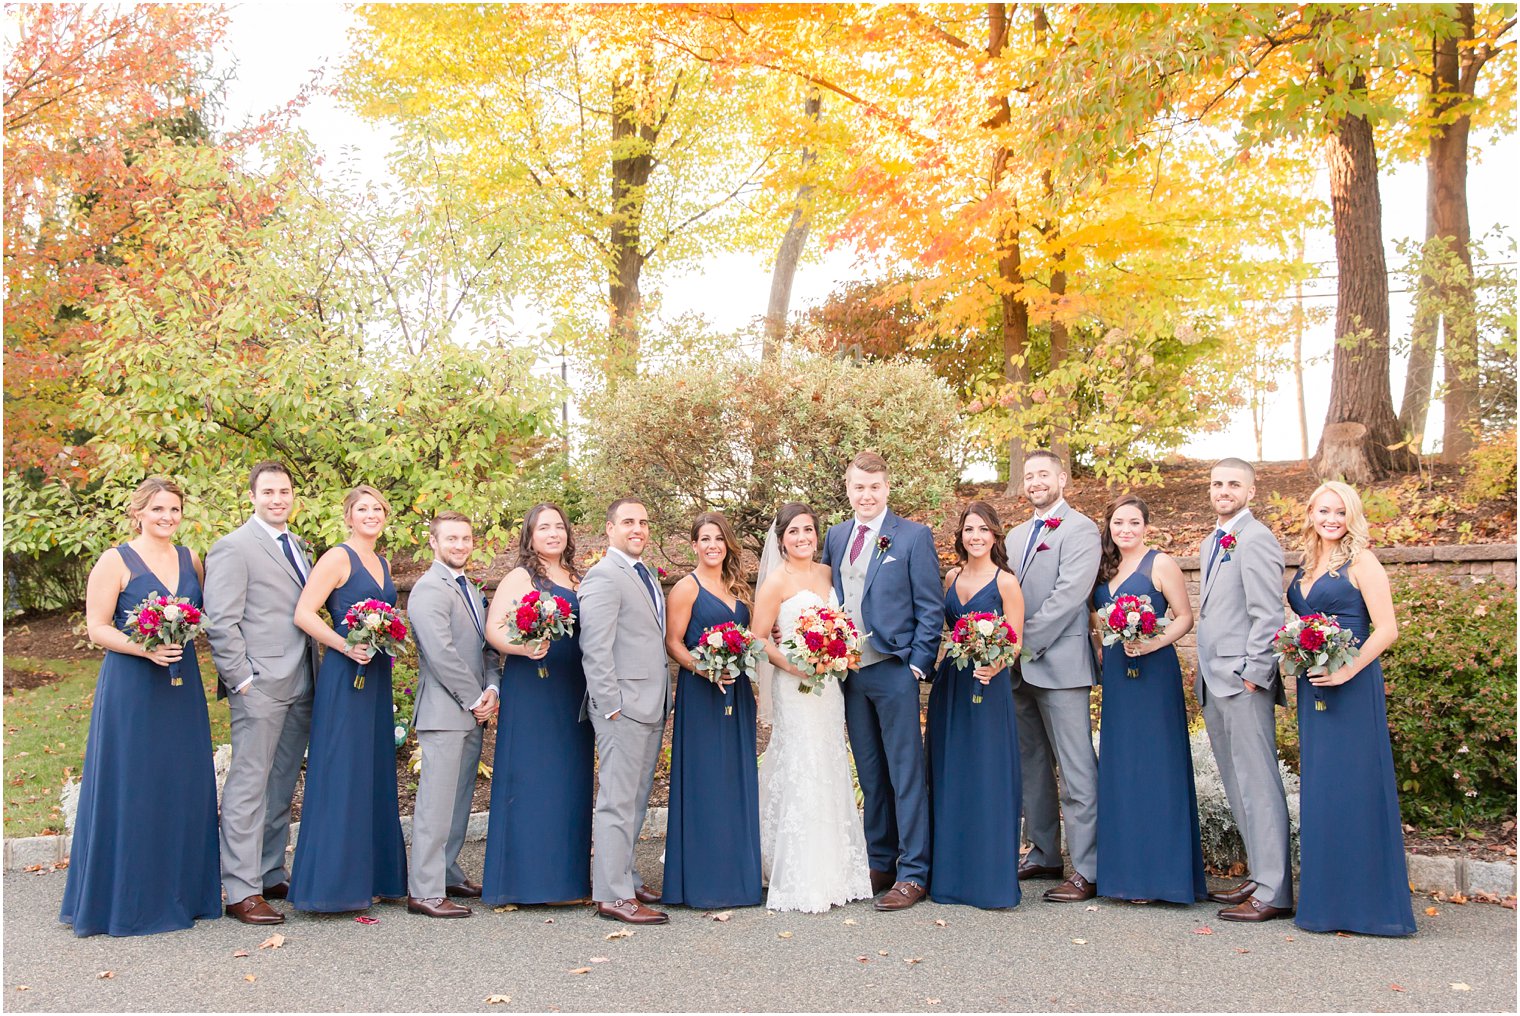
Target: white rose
{"type": "Point", "coordinates": [172, 612]}
{"type": "Point", "coordinates": [372, 620]}
{"type": "Point", "coordinates": [715, 639]}
{"type": "Point", "coordinates": [1133, 617]}
{"type": "Point", "coordinates": [984, 626]}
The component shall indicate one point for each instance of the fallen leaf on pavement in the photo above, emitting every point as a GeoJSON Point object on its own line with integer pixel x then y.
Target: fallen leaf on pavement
{"type": "Point", "coordinates": [105, 975]}
{"type": "Point", "coordinates": [249, 978]}
{"type": "Point", "coordinates": [850, 922]}
{"type": "Point", "coordinates": [1460, 986]}
{"type": "Point", "coordinates": [881, 952]}
{"type": "Point", "coordinates": [1431, 912]}
{"type": "Point", "coordinates": [272, 942]}
{"type": "Point", "coordinates": [240, 954]}
{"type": "Point", "coordinates": [1205, 930]}
{"type": "Point", "coordinates": [783, 934]}
{"type": "Point", "coordinates": [723, 917]}
{"type": "Point", "coordinates": [1508, 903]}
{"type": "Point", "coordinates": [33, 868]}
{"type": "Point", "coordinates": [911, 960]}
{"type": "Point", "coordinates": [579, 970]}
{"type": "Point", "coordinates": [863, 959]}
{"type": "Point", "coordinates": [942, 924]}
{"type": "Point", "coordinates": [498, 999]}
{"type": "Point", "coordinates": [1396, 987]}
{"type": "Point", "coordinates": [1241, 949]}
{"type": "Point", "coordinates": [363, 919]}
{"type": "Point", "coordinates": [505, 908]}
{"type": "Point", "coordinates": [23, 987]}
{"type": "Point", "coordinates": [1092, 910]}
{"type": "Point", "coordinates": [620, 933]}
{"type": "Point", "coordinates": [550, 920]}
{"type": "Point", "coordinates": [600, 959]}
{"type": "Point", "coordinates": [1458, 899]}
{"type": "Point", "coordinates": [1079, 941]}
{"type": "Point", "coordinates": [931, 1001]}
{"type": "Point", "coordinates": [1287, 938]}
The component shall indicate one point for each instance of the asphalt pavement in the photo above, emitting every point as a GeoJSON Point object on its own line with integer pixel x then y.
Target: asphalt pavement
{"type": "Point", "coordinates": [1103, 956]}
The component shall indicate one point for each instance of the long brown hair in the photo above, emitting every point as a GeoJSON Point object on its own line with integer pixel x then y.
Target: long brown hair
{"type": "Point", "coordinates": [1108, 562]}
{"type": "Point", "coordinates": [529, 560]}
{"type": "Point", "coordinates": [733, 565]}
{"type": "Point", "coordinates": [989, 515]}
{"type": "Point", "coordinates": [784, 518]}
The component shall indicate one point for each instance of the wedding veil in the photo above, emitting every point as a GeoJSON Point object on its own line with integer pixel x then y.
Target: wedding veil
{"type": "Point", "coordinates": [770, 560]}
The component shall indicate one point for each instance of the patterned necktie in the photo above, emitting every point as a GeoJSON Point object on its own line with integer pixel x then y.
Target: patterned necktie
{"type": "Point", "coordinates": [1034, 536]}
{"type": "Point", "coordinates": [469, 599]}
{"type": "Point", "coordinates": [860, 541]}
{"type": "Point", "coordinates": [1218, 538]}
{"type": "Point", "coordinates": [290, 554]}
{"type": "Point", "coordinates": [648, 585]}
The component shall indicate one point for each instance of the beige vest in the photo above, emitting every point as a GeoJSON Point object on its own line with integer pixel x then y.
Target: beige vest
{"type": "Point", "coordinates": [853, 578]}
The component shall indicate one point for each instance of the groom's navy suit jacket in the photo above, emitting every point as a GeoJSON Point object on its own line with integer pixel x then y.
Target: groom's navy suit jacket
{"type": "Point", "coordinates": [903, 602]}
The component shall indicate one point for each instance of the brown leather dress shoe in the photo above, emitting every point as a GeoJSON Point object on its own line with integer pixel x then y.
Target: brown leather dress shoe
{"type": "Point", "coordinates": [1074, 890]}
{"type": "Point", "coordinates": [1252, 911]}
{"type": "Point", "coordinates": [901, 896]}
{"type": "Point", "coordinates": [1028, 870]}
{"type": "Point", "coordinates": [438, 906]}
{"type": "Point", "coordinates": [881, 881]}
{"type": "Point", "coordinates": [277, 892]}
{"type": "Point", "coordinates": [254, 910]}
{"type": "Point", "coordinates": [631, 912]}
{"type": "Point", "coordinates": [644, 894]}
{"type": "Point", "coordinates": [1239, 894]}
{"type": "Point", "coordinates": [467, 889]}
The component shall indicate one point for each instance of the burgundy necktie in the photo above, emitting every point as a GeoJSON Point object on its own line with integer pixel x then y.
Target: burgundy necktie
{"type": "Point", "coordinates": [860, 541]}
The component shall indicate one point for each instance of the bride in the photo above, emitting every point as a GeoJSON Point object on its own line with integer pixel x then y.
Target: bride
{"type": "Point", "coordinates": [812, 840]}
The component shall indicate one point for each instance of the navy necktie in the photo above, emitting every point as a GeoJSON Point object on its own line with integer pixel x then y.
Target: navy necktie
{"type": "Point", "coordinates": [290, 554]}
{"type": "Point", "coordinates": [469, 599]}
{"type": "Point", "coordinates": [1218, 538]}
{"type": "Point", "coordinates": [648, 585]}
{"type": "Point", "coordinates": [1034, 536]}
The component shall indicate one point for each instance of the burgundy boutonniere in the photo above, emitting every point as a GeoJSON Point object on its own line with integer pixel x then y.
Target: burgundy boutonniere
{"type": "Point", "coordinates": [883, 544]}
{"type": "Point", "coordinates": [661, 572]}
{"type": "Point", "coordinates": [1227, 543]}
{"type": "Point", "coordinates": [1052, 524]}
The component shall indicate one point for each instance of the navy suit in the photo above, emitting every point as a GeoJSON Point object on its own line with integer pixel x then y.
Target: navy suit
{"type": "Point", "coordinates": [902, 609]}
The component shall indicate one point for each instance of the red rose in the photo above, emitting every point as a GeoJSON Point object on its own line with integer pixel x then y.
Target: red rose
{"type": "Point", "coordinates": [192, 615]}
{"type": "Point", "coordinates": [734, 641]}
{"type": "Point", "coordinates": [837, 648]}
{"type": "Point", "coordinates": [397, 629]}
{"type": "Point", "coordinates": [527, 617]}
{"type": "Point", "coordinates": [1147, 623]}
{"type": "Point", "coordinates": [1116, 618]}
{"type": "Point", "coordinates": [531, 596]}
{"type": "Point", "coordinates": [1013, 636]}
{"type": "Point", "coordinates": [1311, 639]}
{"type": "Point", "coordinates": [812, 640]}
{"type": "Point", "coordinates": [1052, 524]}
{"type": "Point", "coordinates": [563, 605]}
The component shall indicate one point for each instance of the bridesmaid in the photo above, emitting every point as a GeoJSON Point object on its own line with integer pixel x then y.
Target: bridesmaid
{"type": "Point", "coordinates": [973, 747]}
{"type": "Point", "coordinates": [538, 844]}
{"type": "Point", "coordinates": [145, 855]}
{"type": "Point", "coordinates": [712, 844]}
{"type": "Point", "coordinates": [350, 849]}
{"type": "Point", "coordinates": [1147, 807]}
{"type": "Point", "coordinates": [1351, 846]}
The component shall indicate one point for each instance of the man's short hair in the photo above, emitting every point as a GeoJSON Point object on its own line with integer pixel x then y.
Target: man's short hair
{"type": "Point", "coordinates": [448, 516]}
{"type": "Point", "coordinates": [267, 466]}
{"type": "Point", "coordinates": [868, 462]}
{"type": "Point", "coordinates": [612, 509]}
{"type": "Point", "coordinates": [1234, 463]}
{"type": "Point", "coordinates": [1045, 453]}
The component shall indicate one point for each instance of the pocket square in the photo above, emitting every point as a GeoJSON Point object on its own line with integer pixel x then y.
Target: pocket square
{"type": "Point", "coordinates": [888, 559]}
{"type": "Point", "coordinates": [1043, 546]}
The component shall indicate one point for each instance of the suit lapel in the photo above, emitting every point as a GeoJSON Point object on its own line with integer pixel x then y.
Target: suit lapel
{"type": "Point", "coordinates": [836, 555]}
{"type": "Point", "coordinates": [262, 539]}
{"type": "Point", "coordinates": [633, 576]}
{"type": "Point", "coordinates": [888, 527]}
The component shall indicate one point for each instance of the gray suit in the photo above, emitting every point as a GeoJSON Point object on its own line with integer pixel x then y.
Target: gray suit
{"type": "Point", "coordinates": [1240, 608]}
{"type": "Point", "coordinates": [251, 594]}
{"type": "Point", "coordinates": [452, 676]}
{"type": "Point", "coordinates": [1051, 695]}
{"type": "Point", "coordinates": [623, 651]}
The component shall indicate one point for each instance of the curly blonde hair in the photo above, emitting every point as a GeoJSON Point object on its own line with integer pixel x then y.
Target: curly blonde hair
{"type": "Point", "coordinates": [1357, 535]}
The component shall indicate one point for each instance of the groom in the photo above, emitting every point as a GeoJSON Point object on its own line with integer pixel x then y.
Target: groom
{"type": "Point", "coordinates": [627, 698]}
{"type": "Point", "coordinates": [886, 573]}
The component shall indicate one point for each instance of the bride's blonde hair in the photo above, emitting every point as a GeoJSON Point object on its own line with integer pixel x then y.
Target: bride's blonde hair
{"type": "Point", "coordinates": [1347, 547]}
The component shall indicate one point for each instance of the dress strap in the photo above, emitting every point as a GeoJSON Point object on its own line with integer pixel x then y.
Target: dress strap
{"type": "Point", "coordinates": [1147, 562]}
{"type": "Point", "coordinates": [135, 564]}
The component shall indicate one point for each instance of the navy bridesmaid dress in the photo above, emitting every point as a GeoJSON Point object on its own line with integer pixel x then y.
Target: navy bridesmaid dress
{"type": "Point", "coordinates": [145, 855]}
{"type": "Point", "coordinates": [1352, 873]}
{"type": "Point", "coordinates": [350, 849]}
{"type": "Point", "coordinates": [973, 752]}
{"type": "Point", "coordinates": [712, 836]}
{"type": "Point", "coordinates": [538, 843]}
{"type": "Point", "coordinates": [1148, 843]}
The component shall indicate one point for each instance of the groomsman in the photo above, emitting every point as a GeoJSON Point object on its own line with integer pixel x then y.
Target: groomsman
{"type": "Point", "coordinates": [1239, 611]}
{"type": "Point", "coordinates": [627, 698]}
{"type": "Point", "coordinates": [455, 699]}
{"type": "Point", "coordinates": [1055, 555]}
{"type": "Point", "coordinates": [265, 669]}
{"type": "Point", "coordinates": [886, 573]}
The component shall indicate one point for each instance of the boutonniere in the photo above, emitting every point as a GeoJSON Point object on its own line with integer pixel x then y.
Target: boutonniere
{"type": "Point", "coordinates": [661, 572]}
{"type": "Point", "coordinates": [1052, 524]}
{"type": "Point", "coordinates": [1227, 543]}
{"type": "Point", "coordinates": [883, 544]}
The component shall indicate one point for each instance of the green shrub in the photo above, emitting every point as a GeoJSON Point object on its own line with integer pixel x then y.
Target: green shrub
{"type": "Point", "coordinates": [744, 437]}
{"type": "Point", "coordinates": [1451, 700]}
{"type": "Point", "coordinates": [1491, 470]}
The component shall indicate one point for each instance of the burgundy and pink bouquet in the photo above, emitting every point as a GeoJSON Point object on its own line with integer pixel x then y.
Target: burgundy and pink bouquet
{"type": "Point", "coordinates": [165, 621]}
{"type": "Point", "coordinates": [376, 624]}
{"type": "Point", "coordinates": [1314, 644]}
{"type": "Point", "coordinates": [826, 644]}
{"type": "Point", "coordinates": [539, 617]}
{"type": "Point", "coordinates": [727, 650]}
{"type": "Point", "coordinates": [1131, 619]}
{"type": "Point", "coordinates": [982, 639]}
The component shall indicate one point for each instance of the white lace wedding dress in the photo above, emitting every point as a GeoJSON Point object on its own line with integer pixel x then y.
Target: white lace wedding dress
{"type": "Point", "coordinates": [812, 841]}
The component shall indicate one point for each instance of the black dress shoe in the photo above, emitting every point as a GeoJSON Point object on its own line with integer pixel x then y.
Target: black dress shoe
{"type": "Point", "coordinates": [467, 889]}
{"type": "Point", "coordinates": [881, 881]}
{"type": "Point", "coordinates": [277, 892]}
{"type": "Point", "coordinates": [1239, 894]}
{"type": "Point", "coordinates": [1027, 870]}
{"type": "Point", "coordinates": [644, 894]}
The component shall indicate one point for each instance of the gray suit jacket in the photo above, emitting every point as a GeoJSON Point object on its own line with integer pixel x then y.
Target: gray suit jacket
{"type": "Point", "coordinates": [1057, 583]}
{"type": "Point", "coordinates": [1240, 608]}
{"type": "Point", "coordinates": [622, 644]}
{"type": "Point", "coordinates": [250, 597]}
{"type": "Point", "coordinates": [451, 654]}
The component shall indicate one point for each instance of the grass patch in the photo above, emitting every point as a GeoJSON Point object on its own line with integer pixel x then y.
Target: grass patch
{"type": "Point", "coordinates": [45, 732]}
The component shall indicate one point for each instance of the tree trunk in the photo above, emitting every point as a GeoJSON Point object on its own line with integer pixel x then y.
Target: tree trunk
{"type": "Point", "coordinates": [633, 142]}
{"type": "Point", "coordinates": [790, 252]}
{"type": "Point", "coordinates": [1359, 387]}
{"type": "Point", "coordinates": [1298, 360]}
{"type": "Point", "coordinates": [1457, 69]}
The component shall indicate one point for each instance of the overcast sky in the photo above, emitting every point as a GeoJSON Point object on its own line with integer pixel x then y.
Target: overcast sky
{"type": "Point", "coordinates": [276, 47]}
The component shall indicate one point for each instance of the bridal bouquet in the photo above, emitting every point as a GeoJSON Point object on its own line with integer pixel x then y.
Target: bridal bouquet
{"type": "Point", "coordinates": [541, 618]}
{"type": "Point", "coordinates": [727, 650]}
{"type": "Point", "coordinates": [824, 645]}
{"type": "Point", "coordinates": [982, 639]}
{"type": "Point", "coordinates": [1131, 619]}
{"type": "Point", "coordinates": [163, 621]}
{"type": "Point", "coordinates": [376, 624]}
{"type": "Point", "coordinates": [1314, 644]}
